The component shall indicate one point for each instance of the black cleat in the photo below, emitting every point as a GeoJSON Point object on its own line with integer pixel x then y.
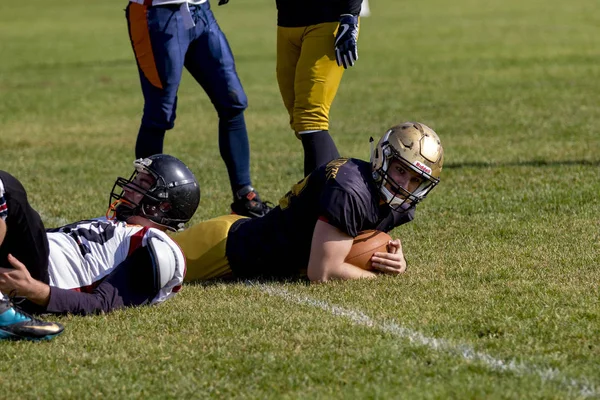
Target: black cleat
{"type": "Point", "coordinates": [18, 325]}
{"type": "Point", "coordinates": [247, 202]}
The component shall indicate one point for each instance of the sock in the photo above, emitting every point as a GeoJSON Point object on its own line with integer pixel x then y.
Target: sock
{"type": "Point", "coordinates": [149, 141]}
{"type": "Point", "coordinates": [235, 149]}
{"type": "Point", "coordinates": [319, 149]}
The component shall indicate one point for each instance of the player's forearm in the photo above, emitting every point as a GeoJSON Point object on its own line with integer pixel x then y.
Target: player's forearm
{"type": "Point", "coordinates": [37, 292]}
{"type": "Point", "coordinates": [342, 271]}
{"type": "Point", "coordinates": [64, 301]}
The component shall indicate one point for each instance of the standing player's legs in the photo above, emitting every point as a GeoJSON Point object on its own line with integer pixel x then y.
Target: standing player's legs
{"type": "Point", "coordinates": [159, 42]}
{"type": "Point", "coordinates": [316, 80]}
{"type": "Point", "coordinates": [210, 61]}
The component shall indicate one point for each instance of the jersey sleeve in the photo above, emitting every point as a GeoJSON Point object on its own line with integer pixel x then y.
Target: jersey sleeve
{"type": "Point", "coordinates": [342, 210]}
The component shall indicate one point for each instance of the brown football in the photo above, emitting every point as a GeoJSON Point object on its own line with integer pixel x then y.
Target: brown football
{"type": "Point", "coordinates": [364, 245]}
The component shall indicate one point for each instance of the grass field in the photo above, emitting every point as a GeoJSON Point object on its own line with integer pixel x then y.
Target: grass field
{"type": "Point", "coordinates": [502, 296]}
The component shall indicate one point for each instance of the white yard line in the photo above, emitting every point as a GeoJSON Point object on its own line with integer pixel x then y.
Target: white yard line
{"type": "Point", "coordinates": [584, 387]}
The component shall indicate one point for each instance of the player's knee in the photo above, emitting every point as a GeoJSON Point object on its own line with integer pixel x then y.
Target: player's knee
{"type": "Point", "coordinates": [231, 103]}
{"type": "Point", "coordinates": [159, 125]}
{"type": "Point", "coordinates": [159, 116]}
{"type": "Point", "coordinates": [310, 124]}
{"type": "Point", "coordinates": [231, 112]}
{"type": "Point", "coordinates": [311, 118]}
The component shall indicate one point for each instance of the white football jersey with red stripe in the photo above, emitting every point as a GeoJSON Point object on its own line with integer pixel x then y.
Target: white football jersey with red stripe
{"type": "Point", "coordinates": [83, 253]}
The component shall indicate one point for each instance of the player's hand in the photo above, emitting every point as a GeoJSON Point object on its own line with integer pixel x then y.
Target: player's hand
{"type": "Point", "coordinates": [18, 282]}
{"type": "Point", "coordinates": [392, 262]}
{"type": "Point", "coordinates": [346, 48]}
{"type": "Point", "coordinates": [221, 2]}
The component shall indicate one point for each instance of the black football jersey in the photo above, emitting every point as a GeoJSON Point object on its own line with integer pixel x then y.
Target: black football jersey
{"type": "Point", "coordinates": [293, 13]}
{"type": "Point", "coordinates": [278, 245]}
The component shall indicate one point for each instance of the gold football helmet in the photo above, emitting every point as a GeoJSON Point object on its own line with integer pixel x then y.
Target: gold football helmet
{"type": "Point", "coordinates": [418, 148]}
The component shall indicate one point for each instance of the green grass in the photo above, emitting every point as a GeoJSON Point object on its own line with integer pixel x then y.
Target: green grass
{"type": "Point", "coordinates": [501, 298]}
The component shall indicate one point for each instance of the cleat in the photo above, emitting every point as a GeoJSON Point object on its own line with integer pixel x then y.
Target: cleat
{"type": "Point", "coordinates": [248, 203]}
{"type": "Point", "coordinates": [18, 325]}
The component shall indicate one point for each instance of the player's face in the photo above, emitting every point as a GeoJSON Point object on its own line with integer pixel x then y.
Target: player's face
{"type": "Point", "coordinates": [404, 177]}
{"type": "Point", "coordinates": [141, 183]}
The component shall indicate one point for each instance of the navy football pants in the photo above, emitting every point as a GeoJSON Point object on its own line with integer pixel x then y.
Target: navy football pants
{"type": "Point", "coordinates": [163, 46]}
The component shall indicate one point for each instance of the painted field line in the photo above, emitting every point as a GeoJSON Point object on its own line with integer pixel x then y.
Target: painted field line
{"type": "Point", "coordinates": [584, 387]}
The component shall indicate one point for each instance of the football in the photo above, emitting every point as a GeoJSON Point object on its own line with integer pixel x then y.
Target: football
{"type": "Point", "coordinates": [364, 245]}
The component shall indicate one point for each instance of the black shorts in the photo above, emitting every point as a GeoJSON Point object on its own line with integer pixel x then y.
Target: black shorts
{"type": "Point", "coordinates": [25, 233]}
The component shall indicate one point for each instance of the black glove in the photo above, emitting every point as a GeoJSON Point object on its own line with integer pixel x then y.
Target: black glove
{"type": "Point", "coordinates": [346, 48]}
{"type": "Point", "coordinates": [221, 2]}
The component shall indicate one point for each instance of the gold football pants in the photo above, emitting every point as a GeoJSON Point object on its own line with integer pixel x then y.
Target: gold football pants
{"type": "Point", "coordinates": [308, 74]}
{"type": "Point", "coordinates": [204, 247]}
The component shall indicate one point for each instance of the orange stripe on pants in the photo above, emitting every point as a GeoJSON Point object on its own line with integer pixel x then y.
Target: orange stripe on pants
{"type": "Point", "coordinates": [140, 40]}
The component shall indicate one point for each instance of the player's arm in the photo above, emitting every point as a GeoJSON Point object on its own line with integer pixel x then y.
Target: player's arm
{"type": "Point", "coordinates": [328, 250]}
{"type": "Point", "coordinates": [130, 284]}
{"type": "Point", "coordinates": [122, 288]}
{"type": "Point", "coordinates": [18, 281]}
{"type": "Point", "coordinates": [134, 282]}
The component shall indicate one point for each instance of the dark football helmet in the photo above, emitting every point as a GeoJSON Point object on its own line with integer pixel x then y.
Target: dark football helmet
{"type": "Point", "coordinates": [418, 148]}
{"type": "Point", "coordinates": [170, 201]}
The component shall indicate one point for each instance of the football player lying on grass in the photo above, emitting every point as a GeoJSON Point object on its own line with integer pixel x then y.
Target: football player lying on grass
{"type": "Point", "coordinates": [311, 231]}
{"type": "Point", "coordinates": [95, 265]}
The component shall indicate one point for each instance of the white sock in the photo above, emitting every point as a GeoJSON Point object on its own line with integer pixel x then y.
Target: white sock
{"type": "Point", "coordinates": [365, 11]}
{"type": "Point", "coordinates": [313, 131]}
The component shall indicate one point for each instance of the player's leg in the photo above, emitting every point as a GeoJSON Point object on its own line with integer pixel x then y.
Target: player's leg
{"type": "Point", "coordinates": [25, 235]}
{"type": "Point", "coordinates": [289, 43]}
{"type": "Point", "coordinates": [204, 247]}
{"type": "Point", "coordinates": [159, 42]}
{"type": "Point", "coordinates": [22, 234]}
{"type": "Point", "coordinates": [317, 80]}
{"type": "Point", "coordinates": [210, 61]}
